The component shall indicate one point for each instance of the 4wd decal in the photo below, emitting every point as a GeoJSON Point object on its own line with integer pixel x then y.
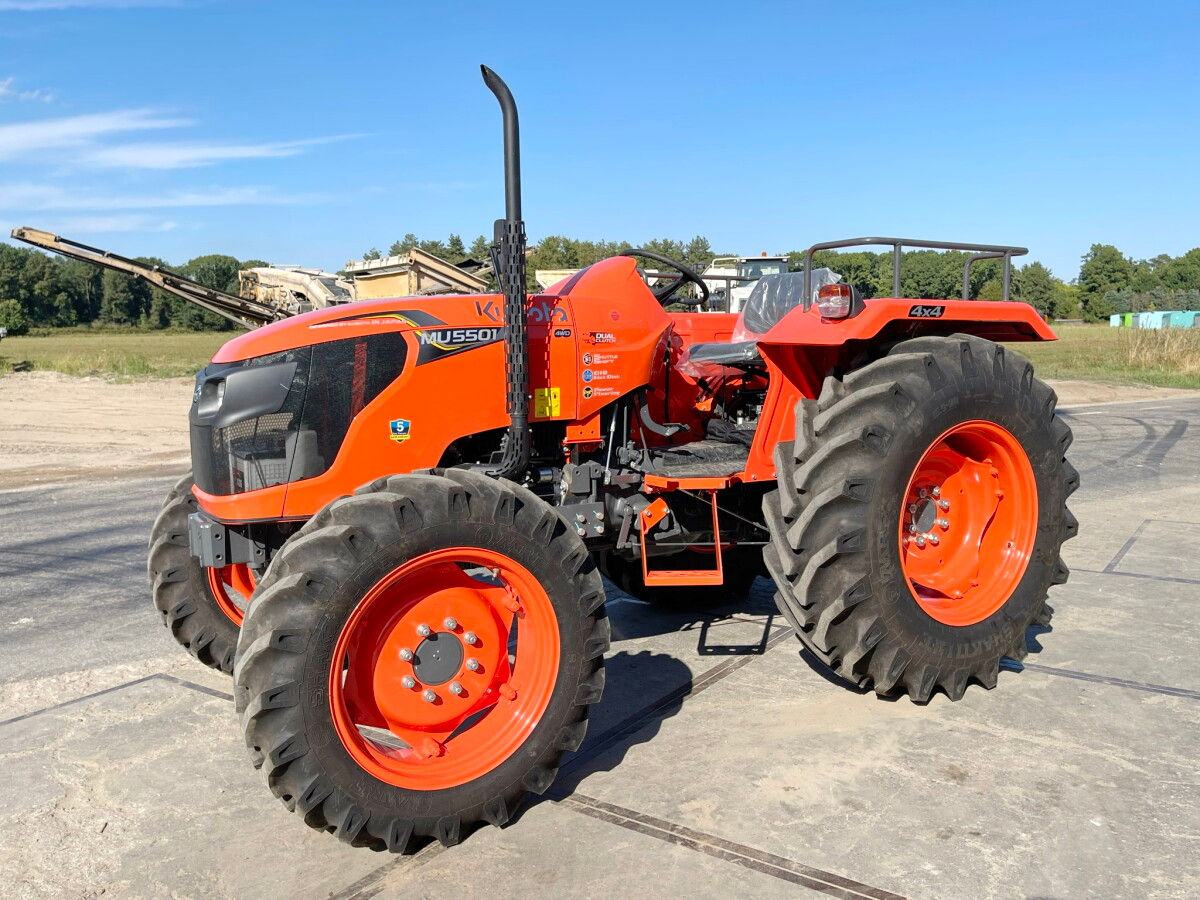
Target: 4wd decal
{"type": "Point", "coordinates": [921, 311]}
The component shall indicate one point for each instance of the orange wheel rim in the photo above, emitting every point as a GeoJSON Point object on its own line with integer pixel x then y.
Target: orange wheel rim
{"type": "Point", "coordinates": [968, 523]}
{"type": "Point", "coordinates": [229, 585]}
{"type": "Point", "coordinates": [444, 668]}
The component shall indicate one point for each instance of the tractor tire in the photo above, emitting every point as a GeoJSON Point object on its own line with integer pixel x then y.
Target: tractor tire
{"type": "Point", "coordinates": [202, 608]}
{"type": "Point", "coordinates": [373, 677]}
{"type": "Point", "coordinates": [741, 569]}
{"type": "Point", "coordinates": [919, 515]}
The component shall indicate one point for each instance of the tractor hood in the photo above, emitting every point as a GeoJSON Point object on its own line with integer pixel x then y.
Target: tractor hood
{"type": "Point", "coordinates": [433, 314]}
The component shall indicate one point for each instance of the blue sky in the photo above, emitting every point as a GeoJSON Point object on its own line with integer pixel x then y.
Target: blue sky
{"type": "Point", "coordinates": [306, 132]}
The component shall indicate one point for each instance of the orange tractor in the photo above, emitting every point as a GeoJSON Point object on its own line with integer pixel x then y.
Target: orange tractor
{"type": "Point", "coordinates": [400, 510]}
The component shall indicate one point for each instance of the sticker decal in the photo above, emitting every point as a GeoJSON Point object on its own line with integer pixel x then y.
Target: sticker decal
{"type": "Point", "coordinates": [921, 311]}
{"type": "Point", "coordinates": [400, 429]}
{"type": "Point", "coordinates": [587, 374]}
{"type": "Point", "coordinates": [587, 392]}
{"type": "Point", "coordinates": [547, 402]}
{"type": "Point", "coordinates": [562, 332]}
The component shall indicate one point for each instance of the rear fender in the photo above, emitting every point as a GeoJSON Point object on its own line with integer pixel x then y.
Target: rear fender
{"type": "Point", "coordinates": [803, 348]}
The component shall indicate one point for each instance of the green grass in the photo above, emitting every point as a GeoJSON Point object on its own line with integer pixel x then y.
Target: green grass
{"type": "Point", "coordinates": [118, 354]}
{"type": "Point", "coordinates": [1166, 358]}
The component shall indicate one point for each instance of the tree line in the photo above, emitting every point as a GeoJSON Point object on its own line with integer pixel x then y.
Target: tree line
{"type": "Point", "coordinates": [39, 290]}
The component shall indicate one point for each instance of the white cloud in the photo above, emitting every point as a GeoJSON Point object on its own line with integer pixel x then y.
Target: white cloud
{"type": "Point", "coordinates": [50, 5]}
{"type": "Point", "coordinates": [22, 138]}
{"type": "Point", "coordinates": [160, 155]}
{"type": "Point", "coordinates": [9, 93]}
{"type": "Point", "coordinates": [30, 197]}
{"type": "Point", "coordinates": [98, 224]}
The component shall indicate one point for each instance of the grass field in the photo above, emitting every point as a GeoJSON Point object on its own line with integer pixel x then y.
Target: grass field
{"type": "Point", "coordinates": [1167, 358]}
{"type": "Point", "coordinates": [117, 354]}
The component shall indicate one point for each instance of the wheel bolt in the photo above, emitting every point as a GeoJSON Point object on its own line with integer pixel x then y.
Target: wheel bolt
{"type": "Point", "coordinates": [450, 622]}
{"type": "Point", "coordinates": [934, 539]}
{"type": "Point", "coordinates": [456, 688]}
{"type": "Point", "coordinates": [920, 540]}
{"type": "Point", "coordinates": [922, 493]}
{"type": "Point", "coordinates": [423, 630]}
{"type": "Point", "coordinates": [943, 523]}
{"type": "Point", "coordinates": [912, 508]}
{"type": "Point", "coordinates": [429, 696]}
{"type": "Point", "coordinates": [943, 504]}
{"type": "Point", "coordinates": [937, 492]}
{"type": "Point", "coordinates": [472, 665]}
{"type": "Point", "coordinates": [406, 654]}
{"type": "Point", "coordinates": [470, 638]}
{"type": "Point", "coordinates": [409, 682]}
{"type": "Point", "coordinates": [912, 529]}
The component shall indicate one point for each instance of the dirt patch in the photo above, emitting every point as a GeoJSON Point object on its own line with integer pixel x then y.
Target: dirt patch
{"type": "Point", "coordinates": [1082, 393]}
{"type": "Point", "coordinates": [56, 428]}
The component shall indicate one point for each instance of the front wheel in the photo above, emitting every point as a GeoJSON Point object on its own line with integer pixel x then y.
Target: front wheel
{"type": "Point", "coordinates": [202, 608]}
{"type": "Point", "coordinates": [419, 657]}
{"type": "Point", "coordinates": [919, 516]}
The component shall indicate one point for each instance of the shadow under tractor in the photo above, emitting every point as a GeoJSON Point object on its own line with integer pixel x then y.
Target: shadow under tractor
{"type": "Point", "coordinates": [400, 510]}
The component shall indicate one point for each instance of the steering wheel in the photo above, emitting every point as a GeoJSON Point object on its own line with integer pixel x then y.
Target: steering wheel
{"type": "Point", "coordinates": [686, 275]}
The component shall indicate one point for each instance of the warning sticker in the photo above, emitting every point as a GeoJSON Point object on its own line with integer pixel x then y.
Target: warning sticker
{"type": "Point", "coordinates": [547, 402]}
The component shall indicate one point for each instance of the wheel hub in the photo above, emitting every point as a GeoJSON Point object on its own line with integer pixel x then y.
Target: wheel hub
{"type": "Point", "coordinates": [438, 658]}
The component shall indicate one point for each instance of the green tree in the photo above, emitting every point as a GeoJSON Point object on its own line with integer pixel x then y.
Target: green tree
{"type": "Point", "coordinates": [371, 254]}
{"type": "Point", "coordinates": [214, 270]}
{"type": "Point", "coordinates": [13, 317]}
{"type": "Point", "coordinates": [480, 248]}
{"type": "Point", "coordinates": [124, 299]}
{"type": "Point", "coordinates": [455, 251]}
{"type": "Point", "coordinates": [1036, 286]}
{"type": "Point", "coordinates": [1104, 268]}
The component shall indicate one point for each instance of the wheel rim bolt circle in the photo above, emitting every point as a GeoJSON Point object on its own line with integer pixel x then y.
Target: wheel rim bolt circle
{"type": "Point", "coordinates": [424, 630]}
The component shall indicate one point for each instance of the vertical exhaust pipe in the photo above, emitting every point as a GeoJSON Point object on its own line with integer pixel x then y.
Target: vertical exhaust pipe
{"type": "Point", "coordinates": [508, 262]}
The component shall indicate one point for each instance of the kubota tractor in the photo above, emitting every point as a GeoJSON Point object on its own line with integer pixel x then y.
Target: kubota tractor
{"type": "Point", "coordinates": [417, 498]}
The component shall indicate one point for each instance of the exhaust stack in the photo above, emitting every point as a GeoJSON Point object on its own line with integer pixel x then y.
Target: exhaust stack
{"type": "Point", "coordinates": [508, 262]}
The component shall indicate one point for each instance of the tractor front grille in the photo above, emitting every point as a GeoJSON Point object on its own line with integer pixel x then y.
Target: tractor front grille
{"type": "Point", "coordinates": [250, 433]}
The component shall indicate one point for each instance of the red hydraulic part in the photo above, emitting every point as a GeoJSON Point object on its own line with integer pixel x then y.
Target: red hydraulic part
{"type": "Point", "coordinates": [444, 668]}
{"type": "Point", "coordinates": [968, 523]}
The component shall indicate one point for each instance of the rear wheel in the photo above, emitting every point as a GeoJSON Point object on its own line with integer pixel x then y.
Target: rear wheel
{"type": "Point", "coordinates": [419, 656]}
{"type": "Point", "coordinates": [202, 608]}
{"type": "Point", "coordinates": [919, 516]}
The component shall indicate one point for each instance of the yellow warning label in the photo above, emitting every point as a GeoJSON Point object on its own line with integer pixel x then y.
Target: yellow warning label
{"type": "Point", "coordinates": [547, 403]}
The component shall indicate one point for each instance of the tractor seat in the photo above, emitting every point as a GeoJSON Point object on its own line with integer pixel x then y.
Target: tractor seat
{"type": "Point", "coordinates": [737, 353]}
{"type": "Point", "coordinates": [772, 298]}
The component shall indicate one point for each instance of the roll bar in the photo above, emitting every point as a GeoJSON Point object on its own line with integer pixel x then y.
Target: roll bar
{"type": "Point", "coordinates": [980, 251]}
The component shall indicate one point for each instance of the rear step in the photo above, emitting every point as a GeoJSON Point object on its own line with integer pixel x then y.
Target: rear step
{"type": "Point", "coordinates": [651, 516]}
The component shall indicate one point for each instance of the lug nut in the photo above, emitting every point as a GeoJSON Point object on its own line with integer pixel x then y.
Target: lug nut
{"type": "Point", "coordinates": [423, 630]}
{"type": "Point", "coordinates": [943, 504]}
{"type": "Point", "coordinates": [912, 529]}
{"type": "Point", "coordinates": [450, 622]}
{"type": "Point", "coordinates": [409, 682]}
{"type": "Point", "coordinates": [456, 688]}
{"type": "Point", "coordinates": [429, 696]}
{"type": "Point", "coordinates": [912, 508]}
{"type": "Point", "coordinates": [922, 493]}
{"type": "Point", "coordinates": [470, 638]}
{"type": "Point", "coordinates": [580, 517]}
{"type": "Point", "coordinates": [937, 492]}
{"type": "Point", "coordinates": [943, 523]}
{"type": "Point", "coordinates": [581, 531]}
{"type": "Point", "coordinates": [934, 539]}
{"type": "Point", "coordinates": [472, 665]}
{"type": "Point", "coordinates": [406, 654]}
{"type": "Point", "coordinates": [920, 540]}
